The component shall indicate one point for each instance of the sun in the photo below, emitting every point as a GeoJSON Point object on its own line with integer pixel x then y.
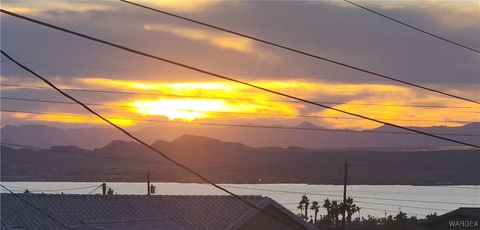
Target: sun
{"type": "Point", "coordinates": [181, 109]}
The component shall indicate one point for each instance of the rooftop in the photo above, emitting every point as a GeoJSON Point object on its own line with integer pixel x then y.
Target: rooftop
{"type": "Point", "coordinates": [131, 211]}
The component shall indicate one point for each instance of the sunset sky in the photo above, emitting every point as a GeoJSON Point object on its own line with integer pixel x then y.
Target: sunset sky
{"type": "Point", "coordinates": [163, 91]}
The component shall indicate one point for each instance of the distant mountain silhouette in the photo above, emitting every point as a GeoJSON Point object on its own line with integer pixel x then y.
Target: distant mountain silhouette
{"type": "Point", "coordinates": [229, 162]}
{"type": "Point", "coordinates": [186, 135]}
{"type": "Point", "coordinates": [307, 125]}
{"type": "Point", "coordinates": [71, 148]}
{"type": "Point", "coordinates": [206, 144]}
{"type": "Point", "coordinates": [121, 149]}
{"type": "Point", "coordinates": [46, 136]}
{"type": "Point", "coordinates": [186, 146]}
{"type": "Point", "coordinates": [472, 128]}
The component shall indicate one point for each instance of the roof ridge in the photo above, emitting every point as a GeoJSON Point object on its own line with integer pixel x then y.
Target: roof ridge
{"type": "Point", "coordinates": [241, 220]}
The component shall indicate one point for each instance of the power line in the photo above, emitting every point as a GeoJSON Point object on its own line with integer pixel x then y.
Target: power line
{"type": "Point", "coordinates": [370, 208]}
{"type": "Point", "coordinates": [228, 112]}
{"type": "Point", "coordinates": [415, 193]}
{"type": "Point", "coordinates": [154, 70]}
{"type": "Point", "coordinates": [391, 166]}
{"type": "Point", "coordinates": [216, 170]}
{"type": "Point", "coordinates": [412, 27]}
{"type": "Point", "coordinates": [460, 187]}
{"type": "Point", "coordinates": [145, 144]}
{"type": "Point", "coordinates": [237, 125]}
{"type": "Point", "coordinates": [36, 208]}
{"type": "Point", "coordinates": [95, 189]}
{"type": "Point", "coordinates": [277, 191]}
{"type": "Point", "coordinates": [66, 189]}
{"type": "Point", "coordinates": [210, 170]}
{"type": "Point", "coordinates": [390, 211]}
{"type": "Point", "coordinates": [365, 202]}
{"type": "Point", "coordinates": [225, 78]}
{"type": "Point", "coordinates": [280, 191]}
{"type": "Point", "coordinates": [305, 53]}
{"type": "Point", "coordinates": [237, 98]}
{"type": "Point", "coordinates": [58, 190]}
{"type": "Point", "coordinates": [405, 206]}
{"type": "Point", "coordinates": [363, 207]}
{"type": "Point", "coordinates": [357, 197]}
{"type": "Point", "coordinates": [15, 190]}
{"type": "Point", "coordinates": [63, 102]}
{"type": "Point", "coordinates": [89, 67]}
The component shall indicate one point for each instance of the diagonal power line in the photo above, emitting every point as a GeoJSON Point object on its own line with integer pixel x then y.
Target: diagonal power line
{"type": "Point", "coordinates": [232, 113]}
{"type": "Point", "coordinates": [217, 76]}
{"type": "Point", "coordinates": [411, 26]}
{"type": "Point", "coordinates": [305, 53]}
{"type": "Point", "coordinates": [78, 153]}
{"type": "Point", "coordinates": [240, 125]}
{"type": "Point", "coordinates": [237, 98]}
{"type": "Point", "coordinates": [51, 190]}
{"type": "Point", "coordinates": [55, 220]}
{"type": "Point", "coordinates": [146, 144]}
{"type": "Point", "coordinates": [357, 197]}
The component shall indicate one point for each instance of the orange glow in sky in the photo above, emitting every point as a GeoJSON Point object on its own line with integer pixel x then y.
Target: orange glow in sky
{"type": "Point", "coordinates": [72, 118]}
{"type": "Point", "coordinates": [184, 109]}
{"type": "Point", "coordinates": [191, 101]}
{"type": "Point", "coordinates": [190, 105]}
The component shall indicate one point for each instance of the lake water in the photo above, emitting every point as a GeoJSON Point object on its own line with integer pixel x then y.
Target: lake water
{"type": "Point", "coordinates": [374, 200]}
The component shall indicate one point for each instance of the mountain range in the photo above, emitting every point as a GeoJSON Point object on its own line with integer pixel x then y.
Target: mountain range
{"type": "Point", "coordinates": [305, 135]}
{"type": "Point", "coordinates": [233, 162]}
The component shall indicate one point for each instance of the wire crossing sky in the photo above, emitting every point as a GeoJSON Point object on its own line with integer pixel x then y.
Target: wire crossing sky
{"type": "Point", "coordinates": [238, 125]}
{"type": "Point", "coordinates": [263, 190]}
{"type": "Point", "coordinates": [227, 112]}
{"type": "Point", "coordinates": [304, 53]}
{"type": "Point", "coordinates": [223, 77]}
{"type": "Point", "coordinates": [49, 216]}
{"type": "Point", "coordinates": [302, 79]}
{"type": "Point", "coordinates": [412, 27]}
{"type": "Point", "coordinates": [162, 154]}
{"type": "Point", "coordinates": [239, 98]}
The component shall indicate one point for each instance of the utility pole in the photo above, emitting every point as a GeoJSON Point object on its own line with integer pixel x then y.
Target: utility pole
{"type": "Point", "coordinates": [104, 189]}
{"type": "Point", "coordinates": [344, 194]}
{"type": "Point", "coordinates": [148, 183]}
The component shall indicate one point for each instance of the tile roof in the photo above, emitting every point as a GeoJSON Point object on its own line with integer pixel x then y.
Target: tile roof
{"type": "Point", "coordinates": [124, 211]}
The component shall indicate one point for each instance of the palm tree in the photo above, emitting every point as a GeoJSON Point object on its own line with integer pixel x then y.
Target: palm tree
{"type": "Point", "coordinates": [431, 216]}
{"type": "Point", "coordinates": [401, 216]}
{"type": "Point", "coordinates": [305, 202]}
{"type": "Point", "coordinates": [335, 207]}
{"type": "Point", "coordinates": [300, 207]}
{"type": "Point", "coordinates": [315, 207]}
{"type": "Point", "coordinates": [350, 208]}
{"type": "Point", "coordinates": [354, 210]}
{"type": "Point", "coordinates": [328, 205]}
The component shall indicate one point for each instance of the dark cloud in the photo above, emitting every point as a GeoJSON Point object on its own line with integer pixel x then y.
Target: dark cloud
{"type": "Point", "coordinates": [328, 29]}
{"type": "Point", "coordinates": [343, 33]}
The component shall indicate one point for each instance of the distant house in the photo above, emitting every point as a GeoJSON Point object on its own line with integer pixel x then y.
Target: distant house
{"type": "Point", "coordinates": [462, 218]}
{"type": "Point", "coordinates": [144, 212]}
